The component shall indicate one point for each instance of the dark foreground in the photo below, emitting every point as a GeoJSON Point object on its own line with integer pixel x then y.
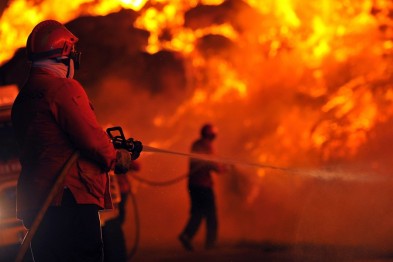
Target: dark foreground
{"type": "Point", "coordinates": [247, 251]}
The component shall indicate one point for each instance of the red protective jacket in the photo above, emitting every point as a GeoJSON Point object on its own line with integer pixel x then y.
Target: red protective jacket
{"type": "Point", "coordinates": [52, 117]}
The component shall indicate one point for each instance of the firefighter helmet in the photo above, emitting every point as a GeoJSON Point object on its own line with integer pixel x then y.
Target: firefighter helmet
{"type": "Point", "coordinates": [50, 39]}
{"type": "Point", "coordinates": [208, 131]}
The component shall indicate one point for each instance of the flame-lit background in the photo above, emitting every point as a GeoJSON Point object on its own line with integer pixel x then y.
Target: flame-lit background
{"type": "Point", "coordinates": [291, 83]}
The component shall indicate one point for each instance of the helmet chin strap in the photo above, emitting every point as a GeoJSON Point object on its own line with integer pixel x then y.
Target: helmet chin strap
{"type": "Point", "coordinates": [71, 69]}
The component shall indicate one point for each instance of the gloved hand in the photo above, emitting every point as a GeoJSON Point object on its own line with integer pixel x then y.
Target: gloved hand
{"type": "Point", "coordinates": [136, 150]}
{"type": "Point", "coordinates": [123, 161]}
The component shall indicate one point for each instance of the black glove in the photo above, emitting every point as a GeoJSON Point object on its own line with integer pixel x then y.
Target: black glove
{"type": "Point", "coordinates": [136, 150]}
{"type": "Point", "coordinates": [123, 161]}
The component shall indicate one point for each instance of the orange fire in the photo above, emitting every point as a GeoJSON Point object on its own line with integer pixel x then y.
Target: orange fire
{"type": "Point", "coordinates": [19, 18]}
{"type": "Point", "coordinates": [301, 35]}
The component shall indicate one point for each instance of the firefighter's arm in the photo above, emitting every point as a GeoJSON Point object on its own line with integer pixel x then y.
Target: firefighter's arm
{"type": "Point", "coordinates": [74, 113]}
{"type": "Point", "coordinates": [218, 168]}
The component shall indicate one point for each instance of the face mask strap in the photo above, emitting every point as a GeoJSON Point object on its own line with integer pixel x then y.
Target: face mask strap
{"type": "Point", "coordinates": [76, 57]}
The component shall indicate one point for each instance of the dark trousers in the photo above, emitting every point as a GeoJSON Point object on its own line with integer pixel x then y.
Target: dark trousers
{"type": "Point", "coordinates": [203, 206]}
{"type": "Point", "coordinates": [114, 242]}
{"type": "Point", "coordinates": [69, 233]}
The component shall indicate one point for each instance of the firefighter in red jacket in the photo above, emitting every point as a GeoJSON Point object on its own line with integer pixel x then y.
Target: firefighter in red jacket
{"type": "Point", "coordinates": [200, 188]}
{"type": "Point", "coordinates": [52, 117]}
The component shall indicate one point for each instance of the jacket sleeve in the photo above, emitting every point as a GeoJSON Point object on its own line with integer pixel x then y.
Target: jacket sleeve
{"type": "Point", "coordinates": [75, 115]}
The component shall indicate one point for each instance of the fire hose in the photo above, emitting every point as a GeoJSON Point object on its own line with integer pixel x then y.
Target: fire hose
{"type": "Point", "coordinates": [134, 147]}
{"type": "Point", "coordinates": [40, 215]}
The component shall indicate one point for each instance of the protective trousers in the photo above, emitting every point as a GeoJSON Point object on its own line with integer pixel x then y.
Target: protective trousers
{"type": "Point", "coordinates": [202, 207]}
{"type": "Point", "coordinates": [70, 232]}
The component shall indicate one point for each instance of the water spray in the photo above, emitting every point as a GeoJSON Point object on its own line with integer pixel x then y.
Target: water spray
{"type": "Point", "coordinates": [326, 173]}
{"type": "Point", "coordinates": [217, 159]}
{"type": "Point", "coordinates": [135, 147]}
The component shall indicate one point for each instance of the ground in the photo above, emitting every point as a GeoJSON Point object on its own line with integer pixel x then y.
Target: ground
{"type": "Point", "coordinates": [248, 251]}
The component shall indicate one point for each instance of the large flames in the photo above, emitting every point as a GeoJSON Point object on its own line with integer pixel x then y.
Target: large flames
{"type": "Point", "coordinates": [289, 82]}
{"type": "Point", "coordinates": [19, 18]}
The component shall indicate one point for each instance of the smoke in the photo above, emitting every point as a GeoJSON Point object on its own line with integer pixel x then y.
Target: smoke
{"type": "Point", "coordinates": [304, 209]}
{"type": "Point", "coordinates": [332, 193]}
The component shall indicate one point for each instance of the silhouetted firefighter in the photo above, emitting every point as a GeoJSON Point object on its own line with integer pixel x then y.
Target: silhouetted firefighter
{"type": "Point", "coordinates": [200, 188]}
